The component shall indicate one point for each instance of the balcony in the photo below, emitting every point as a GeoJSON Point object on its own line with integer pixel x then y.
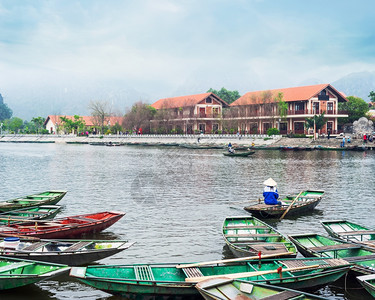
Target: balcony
{"type": "Point", "coordinates": [196, 116]}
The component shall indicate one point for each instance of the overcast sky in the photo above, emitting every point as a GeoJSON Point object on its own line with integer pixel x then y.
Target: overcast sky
{"type": "Point", "coordinates": [160, 48]}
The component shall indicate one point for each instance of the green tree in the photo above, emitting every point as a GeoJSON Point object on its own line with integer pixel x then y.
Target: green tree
{"type": "Point", "coordinates": [320, 121]}
{"type": "Point", "coordinates": [38, 123]}
{"type": "Point", "coordinates": [76, 125]}
{"type": "Point", "coordinates": [226, 95]}
{"type": "Point", "coordinates": [356, 108]}
{"type": "Point", "coordinates": [283, 106]}
{"type": "Point", "coordinates": [372, 96]}
{"type": "Point", "coordinates": [139, 116]}
{"type": "Point", "coordinates": [15, 124]}
{"type": "Point", "coordinates": [5, 112]}
{"type": "Point", "coordinates": [116, 128]}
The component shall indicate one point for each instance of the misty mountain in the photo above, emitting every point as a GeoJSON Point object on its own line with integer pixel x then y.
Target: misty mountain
{"type": "Point", "coordinates": [358, 84]}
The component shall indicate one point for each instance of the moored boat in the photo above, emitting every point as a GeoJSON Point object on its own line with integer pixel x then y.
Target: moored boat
{"type": "Point", "coordinates": [133, 281]}
{"type": "Point", "coordinates": [224, 289]}
{"type": "Point", "coordinates": [350, 231]}
{"type": "Point", "coordinates": [16, 273]}
{"type": "Point", "coordinates": [241, 154]}
{"type": "Point", "coordinates": [67, 252]}
{"type": "Point", "coordinates": [306, 201]}
{"type": "Point", "coordinates": [315, 245]}
{"type": "Point", "coordinates": [68, 227]}
{"type": "Point", "coordinates": [45, 198]}
{"type": "Point", "coordinates": [30, 213]}
{"type": "Point", "coordinates": [247, 236]}
{"type": "Point", "coordinates": [368, 282]}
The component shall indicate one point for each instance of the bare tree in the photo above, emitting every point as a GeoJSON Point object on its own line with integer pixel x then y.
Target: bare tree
{"type": "Point", "coordinates": [100, 111]}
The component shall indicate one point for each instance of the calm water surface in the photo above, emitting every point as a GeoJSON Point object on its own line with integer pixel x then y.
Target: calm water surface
{"type": "Point", "coordinates": [176, 199]}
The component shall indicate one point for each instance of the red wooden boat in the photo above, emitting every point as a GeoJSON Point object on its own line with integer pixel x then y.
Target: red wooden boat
{"type": "Point", "coordinates": [68, 227]}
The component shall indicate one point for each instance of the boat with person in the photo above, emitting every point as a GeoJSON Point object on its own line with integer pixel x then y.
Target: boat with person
{"type": "Point", "coordinates": [368, 282]}
{"type": "Point", "coordinates": [60, 228]}
{"type": "Point", "coordinates": [295, 204]}
{"type": "Point", "coordinates": [68, 252]}
{"type": "Point", "coordinates": [15, 273]}
{"type": "Point", "coordinates": [316, 245]}
{"type": "Point", "coordinates": [223, 288]}
{"type": "Point", "coordinates": [44, 198]}
{"type": "Point", "coordinates": [238, 153]}
{"type": "Point", "coordinates": [247, 236]}
{"type": "Point", "coordinates": [31, 213]}
{"type": "Point", "coordinates": [349, 231]}
{"type": "Point", "coordinates": [171, 280]}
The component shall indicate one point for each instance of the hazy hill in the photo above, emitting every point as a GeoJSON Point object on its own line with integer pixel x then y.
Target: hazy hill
{"type": "Point", "coordinates": [356, 84]}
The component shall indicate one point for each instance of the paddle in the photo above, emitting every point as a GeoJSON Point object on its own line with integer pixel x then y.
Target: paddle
{"type": "Point", "coordinates": [247, 274]}
{"type": "Point", "coordinates": [231, 260]}
{"type": "Point", "coordinates": [290, 206]}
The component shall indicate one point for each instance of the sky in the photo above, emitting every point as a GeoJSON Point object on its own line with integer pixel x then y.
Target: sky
{"type": "Point", "coordinates": [57, 56]}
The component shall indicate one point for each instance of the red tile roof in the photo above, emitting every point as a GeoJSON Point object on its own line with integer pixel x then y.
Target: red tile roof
{"type": "Point", "coordinates": [301, 93]}
{"type": "Point", "coordinates": [89, 120]}
{"type": "Point", "coordinates": [183, 101]}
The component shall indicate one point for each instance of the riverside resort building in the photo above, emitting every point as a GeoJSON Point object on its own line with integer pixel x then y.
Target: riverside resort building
{"type": "Point", "coordinates": [255, 112]}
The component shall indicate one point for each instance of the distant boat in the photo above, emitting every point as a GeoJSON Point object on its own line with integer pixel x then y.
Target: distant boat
{"type": "Point", "coordinates": [31, 213]}
{"type": "Point", "coordinates": [44, 198]}
{"type": "Point", "coordinates": [15, 273]}
{"type": "Point", "coordinates": [68, 227]}
{"type": "Point", "coordinates": [306, 201]}
{"type": "Point", "coordinates": [243, 154]}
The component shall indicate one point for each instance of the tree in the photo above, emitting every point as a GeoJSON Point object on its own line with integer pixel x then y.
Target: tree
{"type": "Point", "coordinates": [356, 108]}
{"type": "Point", "coordinates": [100, 111]}
{"type": "Point", "coordinates": [320, 121]}
{"type": "Point", "coordinates": [75, 125]}
{"type": "Point", "coordinates": [15, 124]}
{"type": "Point", "coordinates": [226, 95]}
{"type": "Point", "coordinates": [283, 106]}
{"type": "Point", "coordinates": [5, 112]}
{"type": "Point", "coordinates": [139, 116]}
{"type": "Point", "coordinates": [372, 96]}
{"type": "Point", "coordinates": [38, 123]}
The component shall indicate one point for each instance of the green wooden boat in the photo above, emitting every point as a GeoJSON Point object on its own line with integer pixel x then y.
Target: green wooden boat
{"type": "Point", "coordinates": [240, 154]}
{"type": "Point", "coordinates": [247, 235]}
{"type": "Point", "coordinates": [135, 281]}
{"type": "Point", "coordinates": [315, 245]}
{"type": "Point", "coordinates": [306, 201]}
{"type": "Point", "coordinates": [349, 231]}
{"type": "Point", "coordinates": [224, 289]}
{"type": "Point", "coordinates": [31, 213]}
{"type": "Point", "coordinates": [368, 282]}
{"type": "Point", "coordinates": [45, 198]}
{"type": "Point", "coordinates": [16, 272]}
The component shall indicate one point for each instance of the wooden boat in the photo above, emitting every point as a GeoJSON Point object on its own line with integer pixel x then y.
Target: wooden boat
{"type": "Point", "coordinates": [68, 227]}
{"type": "Point", "coordinates": [30, 213]}
{"type": "Point", "coordinates": [133, 281]}
{"type": "Point", "coordinates": [368, 282]}
{"type": "Point", "coordinates": [315, 245]}
{"type": "Point", "coordinates": [247, 235]}
{"type": "Point", "coordinates": [306, 201]}
{"type": "Point", "coordinates": [16, 273]}
{"type": "Point", "coordinates": [241, 154]}
{"type": "Point", "coordinates": [45, 198]}
{"type": "Point", "coordinates": [349, 231]}
{"type": "Point", "coordinates": [67, 252]}
{"type": "Point", "coordinates": [224, 289]}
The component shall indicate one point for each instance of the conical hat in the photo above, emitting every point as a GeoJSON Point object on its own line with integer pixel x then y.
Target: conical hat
{"type": "Point", "coordinates": [270, 182]}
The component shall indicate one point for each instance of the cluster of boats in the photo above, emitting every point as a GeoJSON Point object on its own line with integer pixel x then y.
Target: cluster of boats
{"type": "Point", "coordinates": [265, 264]}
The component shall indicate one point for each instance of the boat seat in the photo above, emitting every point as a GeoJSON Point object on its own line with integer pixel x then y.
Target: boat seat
{"type": "Point", "coordinates": [77, 246]}
{"type": "Point", "coordinates": [360, 258]}
{"type": "Point", "coordinates": [14, 266]}
{"type": "Point", "coordinates": [143, 273]}
{"type": "Point", "coordinates": [35, 246]}
{"type": "Point", "coordinates": [245, 227]}
{"type": "Point", "coordinates": [251, 235]}
{"type": "Point", "coordinates": [285, 295]}
{"type": "Point", "coordinates": [335, 247]}
{"type": "Point", "coordinates": [358, 232]}
{"type": "Point", "coordinates": [268, 248]}
{"type": "Point", "coordinates": [192, 272]}
{"type": "Point", "coordinates": [323, 263]}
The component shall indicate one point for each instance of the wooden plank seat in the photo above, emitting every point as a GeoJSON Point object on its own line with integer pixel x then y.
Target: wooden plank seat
{"type": "Point", "coordinates": [245, 227]}
{"type": "Point", "coordinates": [285, 295]}
{"type": "Point", "coordinates": [192, 272]}
{"type": "Point", "coordinates": [27, 200]}
{"type": "Point", "coordinates": [77, 246]}
{"type": "Point", "coordinates": [14, 266]}
{"type": "Point", "coordinates": [268, 248]}
{"type": "Point", "coordinates": [35, 246]}
{"type": "Point", "coordinates": [358, 232]}
{"type": "Point", "coordinates": [251, 235]}
{"type": "Point", "coordinates": [143, 273]}
{"type": "Point", "coordinates": [360, 258]}
{"type": "Point", "coordinates": [335, 247]}
{"type": "Point", "coordinates": [323, 263]}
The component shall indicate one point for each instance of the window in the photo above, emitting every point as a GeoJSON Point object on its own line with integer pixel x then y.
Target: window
{"type": "Point", "coordinates": [316, 108]}
{"type": "Point", "coordinates": [330, 106]}
{"type": "Point", "coordinates": [208, 100]}
{"type": "Point", "coordinates": [215, 110]}
{"type": "Point", "coordinates": [215, 127]}
{"type": "Point", "coordinates": [202, 128]}
{"type": "Point", "coordinates": [300, 106]}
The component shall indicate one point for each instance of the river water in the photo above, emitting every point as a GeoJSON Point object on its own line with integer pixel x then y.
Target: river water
{"type": "Point", "coordinates": [176, 199]}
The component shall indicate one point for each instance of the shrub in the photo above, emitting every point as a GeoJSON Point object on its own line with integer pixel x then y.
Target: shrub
{"type": "Point", "coordinates": [273, 131]}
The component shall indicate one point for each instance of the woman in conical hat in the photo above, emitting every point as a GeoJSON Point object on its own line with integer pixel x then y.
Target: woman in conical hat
{"type": "Point", "coordinates": [270, 192]}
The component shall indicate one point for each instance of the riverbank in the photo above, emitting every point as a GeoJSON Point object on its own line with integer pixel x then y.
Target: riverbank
{"type": "Point", "coordinates": [195, 141]}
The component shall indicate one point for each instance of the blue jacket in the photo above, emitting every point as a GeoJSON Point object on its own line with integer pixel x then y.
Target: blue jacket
{"type": "Point", "coordinates": [270, 195]}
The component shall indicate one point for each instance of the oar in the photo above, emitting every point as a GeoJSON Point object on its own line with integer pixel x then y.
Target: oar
{"type": "Point", "coordinates": [290, 206]}
{"type": "Point", "coordinates": [246, 274]}
{"type": "Point", "coordinates": [231, 260]}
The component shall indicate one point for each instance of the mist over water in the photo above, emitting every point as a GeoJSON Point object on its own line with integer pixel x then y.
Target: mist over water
{"type": "Point", "coordinates": [176, 199]}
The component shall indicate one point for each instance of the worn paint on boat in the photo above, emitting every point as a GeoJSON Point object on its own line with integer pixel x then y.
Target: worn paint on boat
{"type": "Point", "coordinates": [44, 198]}
{"type": "Point", "coordinates": [368, 282]}
{"type": "Point", "coordinates": [16, 273]}
{"type": "Point", "coordinates": [306, 201]}
{"type": "Point", "coordinates": [247, 235]}
{"type": "Point", "coordinates": [31, 213]}
{"type": "Point", "coordinates": [134, 281]}
{"type": "Point", "coordinates": [68, 227]}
